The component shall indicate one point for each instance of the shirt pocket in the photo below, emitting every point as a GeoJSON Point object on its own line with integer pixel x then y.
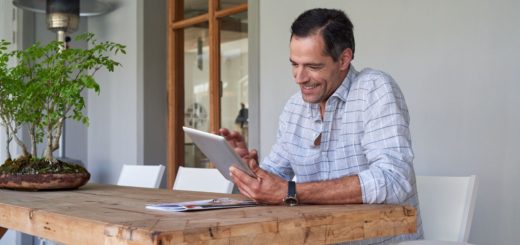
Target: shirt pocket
{"type": "Point", "coordinates": [305, 157]}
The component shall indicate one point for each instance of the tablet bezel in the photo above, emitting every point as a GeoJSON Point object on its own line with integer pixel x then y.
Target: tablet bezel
{"type": "Point", "coordinates": [218, 151]}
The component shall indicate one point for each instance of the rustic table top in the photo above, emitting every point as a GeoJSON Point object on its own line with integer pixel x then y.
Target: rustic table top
{"type": "Point", "coordinates": [108, 214]}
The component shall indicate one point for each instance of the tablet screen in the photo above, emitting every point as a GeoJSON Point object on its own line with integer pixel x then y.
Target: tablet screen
{"type": "Point", "coordinates": [219, 152]}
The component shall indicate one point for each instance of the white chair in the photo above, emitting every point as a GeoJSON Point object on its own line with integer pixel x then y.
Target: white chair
{"type": "Point", "coordinates": [148, 176]}
{"type": "Point", "coordinates": [447, 206]}
{"type": "Point", "coordinates": [202, 179]}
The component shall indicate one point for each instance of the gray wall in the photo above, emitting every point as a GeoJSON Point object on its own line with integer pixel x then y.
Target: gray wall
{"type": "Point", "coordinates": [128, 118]}
{"type": "Point", "coordinates": [113, 130]}
{"type": "Point", "coordinates": [457, 64]}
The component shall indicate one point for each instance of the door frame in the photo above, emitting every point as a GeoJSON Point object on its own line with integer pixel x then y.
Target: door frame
{"type": "Point", "coordinates": [175, 73]}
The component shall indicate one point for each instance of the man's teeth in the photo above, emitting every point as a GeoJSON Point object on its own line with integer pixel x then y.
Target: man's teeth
{"type": "Point", "coordinates": [310, 87]}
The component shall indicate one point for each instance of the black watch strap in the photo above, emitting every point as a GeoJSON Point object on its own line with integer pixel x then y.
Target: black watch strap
{"type": "Point", "coordinates": [291, 199]}
{"type": "Point", "coordinates": [291, 192]}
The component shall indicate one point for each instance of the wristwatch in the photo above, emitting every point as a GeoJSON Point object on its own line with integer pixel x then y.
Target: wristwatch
{"type": "Point", "coordinates": [291, 199]}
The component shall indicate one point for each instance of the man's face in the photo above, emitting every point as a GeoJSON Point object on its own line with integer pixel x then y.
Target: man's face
{"type": "Point", "coordinates": [316, 73]}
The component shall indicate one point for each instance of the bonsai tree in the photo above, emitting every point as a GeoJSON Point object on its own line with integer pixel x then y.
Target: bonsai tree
{"type": "Point", "coordinates": [45, 88]}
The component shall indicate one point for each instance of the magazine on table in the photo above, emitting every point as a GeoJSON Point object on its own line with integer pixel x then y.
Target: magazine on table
{"type": "Point", "coordinates": [198, 205]}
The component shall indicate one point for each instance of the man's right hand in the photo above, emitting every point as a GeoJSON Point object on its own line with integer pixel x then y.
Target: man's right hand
{"type": "Point", "coordinates": [237, 142]}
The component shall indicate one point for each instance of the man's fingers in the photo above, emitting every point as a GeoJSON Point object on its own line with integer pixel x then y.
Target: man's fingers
{"type": "Point", "coordinates": [223, 131]}
{"type": "Point", "coordinates": [239, 139]}
{"type": "Point", "coordinates": [253, 154]}
{"type": "Point", "coordinates": [253, 165]}
{"type": "Point", "coordinates": [241, 176]}
{"type": "Point", "coordinates": [241, 180]}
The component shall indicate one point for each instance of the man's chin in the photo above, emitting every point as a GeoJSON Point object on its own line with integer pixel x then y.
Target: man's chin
{"type": "Point", "coordinates": [309, 99]}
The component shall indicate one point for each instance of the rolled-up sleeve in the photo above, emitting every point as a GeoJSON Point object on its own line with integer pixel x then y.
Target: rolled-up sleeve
{"type": "Point", "coordinates": [386, 143]}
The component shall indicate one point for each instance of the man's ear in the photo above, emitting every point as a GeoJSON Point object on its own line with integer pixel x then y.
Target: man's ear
{"type": "Point", "coordinates": [345, 58]}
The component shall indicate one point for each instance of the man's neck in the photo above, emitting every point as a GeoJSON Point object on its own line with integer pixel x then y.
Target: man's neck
{"type": "Point", "coordinates": [323, 104]}
{"type": "Point", "coordinates": [322, 108]}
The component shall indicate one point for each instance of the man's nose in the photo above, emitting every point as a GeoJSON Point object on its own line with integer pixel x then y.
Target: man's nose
{"type": "Point", "coordinates": [301, 75]}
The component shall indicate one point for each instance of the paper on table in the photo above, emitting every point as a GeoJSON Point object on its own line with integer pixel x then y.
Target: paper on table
{"type": "Point", "coordinates": [217, 203]}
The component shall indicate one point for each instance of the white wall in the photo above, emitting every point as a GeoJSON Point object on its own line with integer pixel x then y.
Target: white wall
{"type": "Point", "coordinates": [128, 118]}
{"type": "Point", "coordinates": [457, 64]}
{"type": "Point", "coordinates": [112, 134]}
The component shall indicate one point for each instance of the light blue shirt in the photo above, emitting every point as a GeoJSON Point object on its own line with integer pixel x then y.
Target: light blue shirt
{"type": "Point", "coordinates": [364, 132]}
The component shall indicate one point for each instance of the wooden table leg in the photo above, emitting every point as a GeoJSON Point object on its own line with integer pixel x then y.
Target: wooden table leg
{"type": "Point", "coordinates": [2, 231]}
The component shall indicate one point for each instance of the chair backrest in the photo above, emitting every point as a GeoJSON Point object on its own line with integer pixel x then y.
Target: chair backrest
{"type": "Point", "coordinates": [447, 206]}
{"type": "Point", "coordinates": [202, 179]}
{"type": "Point", "coordinates": [148, 176]}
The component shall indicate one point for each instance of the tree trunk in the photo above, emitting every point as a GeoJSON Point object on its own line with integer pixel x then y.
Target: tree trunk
{"type": "Point", "coordinates": [9, 139]}
{"type": "Point", "coordinates": [48, 154]}
{"type": "Point", "coordinates": [57, 134]}
{"type": "Point", "coordinates": [4, 121]}
{"type": "Point", "coordinates": [25, 153]}
{"type": "Point", "coordinates": [48, 149]}
{"type": "Point", "coordinates": [34, 145]}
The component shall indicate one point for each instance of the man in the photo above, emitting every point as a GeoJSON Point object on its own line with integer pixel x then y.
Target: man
{"type": "Point", "coordinates": [344, 136]}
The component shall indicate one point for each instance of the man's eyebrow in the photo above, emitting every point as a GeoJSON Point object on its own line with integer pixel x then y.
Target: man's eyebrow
{"type": "Point", "coordinates": [306, 64]}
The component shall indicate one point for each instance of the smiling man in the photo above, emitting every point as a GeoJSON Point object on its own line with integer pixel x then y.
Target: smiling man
{"type": "Point", "coordinates": [344, 136]}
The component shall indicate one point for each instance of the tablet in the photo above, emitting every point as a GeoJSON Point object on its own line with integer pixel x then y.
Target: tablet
{"type": "Point", "coordinates": [219, 152]}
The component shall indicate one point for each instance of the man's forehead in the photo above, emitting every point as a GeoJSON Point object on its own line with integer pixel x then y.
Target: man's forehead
{"type": "Point", "coordinates": [308, 45]}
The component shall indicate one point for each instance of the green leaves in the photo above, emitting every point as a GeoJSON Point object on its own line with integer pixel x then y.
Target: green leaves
{"type": "Point", "coordinates": [45, 87]}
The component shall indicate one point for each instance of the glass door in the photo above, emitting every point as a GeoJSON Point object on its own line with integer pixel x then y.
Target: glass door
{"type": "Point", "coordinates": [207, 74]}
{"type": "Point", "coordinates": [234, 73]}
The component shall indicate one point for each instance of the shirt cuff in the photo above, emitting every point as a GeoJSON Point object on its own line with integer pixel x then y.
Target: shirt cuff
{"type": "Point", "coordinates": [373, 187]}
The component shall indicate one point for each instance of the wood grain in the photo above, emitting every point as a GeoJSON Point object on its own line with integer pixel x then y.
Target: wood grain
{"type": "Point", "coordinates": [175, 88]}
{"type": "Point", "coordinates": [104, 214]}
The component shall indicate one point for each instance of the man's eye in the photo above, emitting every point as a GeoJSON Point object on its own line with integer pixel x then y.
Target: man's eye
{"type": "Point", "coordinates": [314, 67]}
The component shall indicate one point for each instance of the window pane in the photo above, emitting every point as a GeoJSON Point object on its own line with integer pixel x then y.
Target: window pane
{"type": "Point", "coordinates": [194, 8]}
{"type": "Point", "coordinates": [234, 73]}
{"type": "Point", "coordinates": [230, 3]}
{"type": "Point", "coordinates": [196, 93]}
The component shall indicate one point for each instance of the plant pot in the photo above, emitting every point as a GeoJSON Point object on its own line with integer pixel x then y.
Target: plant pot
{"type": "Point", "coordinates": [51, 181]}
{"type": "Point", "coordinates": [39, 174]}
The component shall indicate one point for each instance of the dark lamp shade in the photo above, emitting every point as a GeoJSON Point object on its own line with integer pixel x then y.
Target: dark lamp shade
{"type": "Point", "coordinates": [86, 7]}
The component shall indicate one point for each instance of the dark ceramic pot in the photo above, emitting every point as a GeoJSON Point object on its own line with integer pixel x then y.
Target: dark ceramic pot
{"type": "Point", "coordinates": [53, 181]}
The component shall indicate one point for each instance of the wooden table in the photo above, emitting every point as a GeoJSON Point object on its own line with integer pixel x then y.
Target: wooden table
{"type": "Point", "coordinates": [106, 214]}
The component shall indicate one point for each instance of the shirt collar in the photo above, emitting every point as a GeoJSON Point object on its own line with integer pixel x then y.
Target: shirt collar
{"type": "Point", "coordinates": [342, 91]}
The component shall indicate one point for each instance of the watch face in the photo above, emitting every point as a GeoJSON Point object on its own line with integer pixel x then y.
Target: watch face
{"type": "Point", "coordinates": [290, 201]}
